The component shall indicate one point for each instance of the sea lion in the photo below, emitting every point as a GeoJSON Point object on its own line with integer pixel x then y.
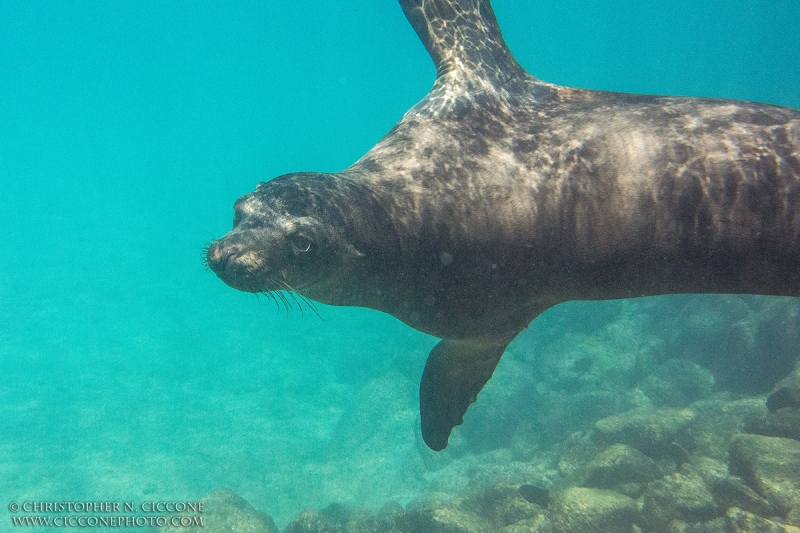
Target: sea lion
{"type": "Point", "coordinates": [499, 195]}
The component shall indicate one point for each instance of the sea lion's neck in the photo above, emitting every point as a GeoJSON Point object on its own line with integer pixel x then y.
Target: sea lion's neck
{"type": "Point", "coordinates": [355, 213]}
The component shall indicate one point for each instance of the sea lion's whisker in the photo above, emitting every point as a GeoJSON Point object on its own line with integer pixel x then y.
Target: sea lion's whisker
{"type": "Point", "coordinates": [272, 297]}
{"type": "Point", "coordinates": [284, 301]}
{"type": "Point", "coordinates": [295, 294]}
{"type": "Point", "coordinates": [310, 304]}
{"type": "Point", "coordinates": [268, 294]}
{"type": "Point", "coordinates": [299, 306]}
{"type": "Point", "coordinates": [276, 288]}
{"type": "Point", "coordinates": [204, 252]}
{"type": "Point", "coordinates": [204, 256]}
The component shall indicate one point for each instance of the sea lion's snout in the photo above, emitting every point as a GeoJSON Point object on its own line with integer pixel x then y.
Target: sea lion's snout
{"type": "Point", "coordinates": [235, 264]}
{"type": "Point", "coordinates": [218, 255]}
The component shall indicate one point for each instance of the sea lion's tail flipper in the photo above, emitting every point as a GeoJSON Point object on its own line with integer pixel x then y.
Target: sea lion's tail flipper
{"type": "Point", "coordinates": [463, 39]}
{"type": "Point", "coordinates": [455, 373]}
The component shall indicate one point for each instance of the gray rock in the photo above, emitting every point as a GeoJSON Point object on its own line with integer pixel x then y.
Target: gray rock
{"type": "Point", "coordinates": [390, 512]}
{"type": "Point", "coordinates": [340, 518]}
{"type": "Point", "coordinates": [680, 496]}
{"type": "Point", "coordinates": [434, 515]}
{"type": "Point", "coordinates": [736, 521]}
{"type": "Point", "coordinates": [711, 470]}
{"type": "Point", "coordinates": [732, 492]}
{"type": "Point", "coordinates": [650, 432]}
{"type": "Point", "coordinates": [588, 510]}
{"type": "Point", "coordinates": [783, 419]}
{"type": "Point", "coordinates": [540, 524]}
{"type": "Point", "coordinates": [620, 464]}
{"type": "Point", "coordinates": [744, 522]}
{"type": "Point", "coordinates": [578, 451]}
{"type": "Point", "coordinates": [225, 512]}
{"type": "Point", "coordinates": [501, 505]}
{"type": "Point", "coordinates": [771, 466]}
{"type": "Point", "coordinates": [718, 525]}
{"type": "Point", "coordinates": [793, 517]}
{"type": "Point", "coordinates": [677, 383]}
{"type": "Point", "coordinates": [787, 392]}
{"type": "Point", "coordinates": [783, 422]}
{"type": "Point", "coordinates": [351, 519]}
{"type": "Point", "coordinates": [711, 432]}
{"type": "Point", "coordinates": [535, 494]}
{"type": "Point", "coordinates": [310, 521]}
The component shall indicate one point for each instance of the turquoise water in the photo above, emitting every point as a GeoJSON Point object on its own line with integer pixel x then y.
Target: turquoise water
{"type": "Point", "coordinates": [127, 130]}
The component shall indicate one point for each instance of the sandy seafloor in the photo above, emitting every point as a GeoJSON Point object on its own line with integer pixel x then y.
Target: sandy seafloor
{"type": "Point", "coordinates": [127, 130]}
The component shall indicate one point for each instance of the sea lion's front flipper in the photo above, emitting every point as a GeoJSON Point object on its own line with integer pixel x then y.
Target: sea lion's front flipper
{"type": "Point", "coordinates": [455, 373]}
{"type": "Point", "coordinates": [464, 41]}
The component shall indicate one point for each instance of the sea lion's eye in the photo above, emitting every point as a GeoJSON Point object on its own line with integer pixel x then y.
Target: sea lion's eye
{"type": "Point", "coordinates": [300, 244]}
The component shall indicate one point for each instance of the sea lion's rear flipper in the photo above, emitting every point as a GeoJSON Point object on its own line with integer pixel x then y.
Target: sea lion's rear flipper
{"type": "Point", "coordinates": [455, 373]}
{"type": "Point", "coordinates": [463, 39]}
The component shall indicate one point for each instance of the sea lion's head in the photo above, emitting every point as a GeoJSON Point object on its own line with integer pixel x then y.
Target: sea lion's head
{"type": "Point", "coordinates": [288, 234]}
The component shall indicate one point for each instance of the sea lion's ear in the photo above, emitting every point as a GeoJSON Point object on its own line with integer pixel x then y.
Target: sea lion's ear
{"type": "Point", "coordinates": [455, 373]}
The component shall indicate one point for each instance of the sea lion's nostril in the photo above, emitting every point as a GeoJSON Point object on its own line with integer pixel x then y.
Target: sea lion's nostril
{"type": "Point", "coordinates": [229, 253]}
{"type": "Point", "coordinates": [219, 254]}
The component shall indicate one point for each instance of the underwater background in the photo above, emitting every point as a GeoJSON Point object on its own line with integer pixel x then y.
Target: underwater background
{"type": "Point", "coordinates": [130, 373]}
